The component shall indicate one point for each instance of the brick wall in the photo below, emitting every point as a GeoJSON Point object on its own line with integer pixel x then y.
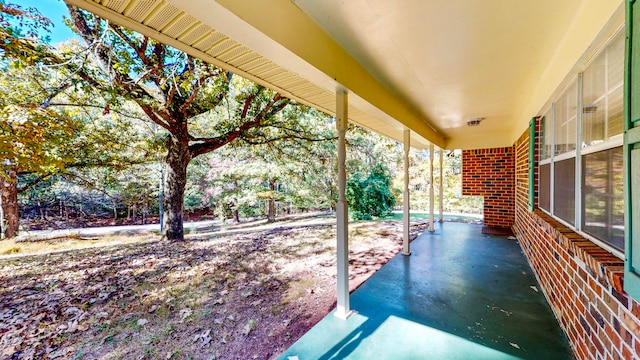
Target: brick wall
{"type": "Point", "coordinates": [490, 173]}
{"type": "Point", "coordinates": [582, 282]}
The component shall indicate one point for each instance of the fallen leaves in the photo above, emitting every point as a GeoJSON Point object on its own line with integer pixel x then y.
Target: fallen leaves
{"type": "Point", "coordinates": [203, 338]}
{"type": "Point", "coordinates": [184, 314]}
{"type": "Point", "coordinates": [250, 326]}
{"type": "Point", "coordinates": [221, 296]}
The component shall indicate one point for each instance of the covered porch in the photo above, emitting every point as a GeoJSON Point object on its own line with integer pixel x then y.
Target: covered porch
{"type": "Point", "coordinates": [519, 88]}
{"type": "Point", "coordinates": [461, 294]}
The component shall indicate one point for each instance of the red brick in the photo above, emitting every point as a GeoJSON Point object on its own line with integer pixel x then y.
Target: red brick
{"type": "Point", "coordinates": [613, 336]}
{"type": "Point", "coordinates": [583, 282]}
{"type": "Point", "coordinates": [627, 353]}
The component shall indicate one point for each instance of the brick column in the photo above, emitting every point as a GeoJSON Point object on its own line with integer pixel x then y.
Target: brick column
{"type": "Point", "coordinates": [491, 173]}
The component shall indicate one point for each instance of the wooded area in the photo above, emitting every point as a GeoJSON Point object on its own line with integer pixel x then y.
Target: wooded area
{"type": "Point", "coordinates": [114, 127]}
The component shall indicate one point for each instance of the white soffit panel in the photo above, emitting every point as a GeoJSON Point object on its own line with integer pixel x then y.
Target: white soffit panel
{"type": "Point", "coordinates": [165, 22]}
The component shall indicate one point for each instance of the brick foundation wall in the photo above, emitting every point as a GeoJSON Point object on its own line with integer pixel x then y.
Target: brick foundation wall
{"type": "Point", "coordinates": [582, 282]}
{"type": "Point", "coordinates": [490, 173]}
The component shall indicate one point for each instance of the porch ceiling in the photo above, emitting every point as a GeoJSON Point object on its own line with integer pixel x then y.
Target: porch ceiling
{"type": "Point", "coordinates": [425, 65]}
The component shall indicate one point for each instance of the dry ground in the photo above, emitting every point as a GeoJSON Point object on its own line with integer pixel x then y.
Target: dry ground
{"type": "Point", "coordinates": [242, 295]}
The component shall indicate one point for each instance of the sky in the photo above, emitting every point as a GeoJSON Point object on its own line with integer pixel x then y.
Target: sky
{"type": "Point", "coordinates": [54, 10]}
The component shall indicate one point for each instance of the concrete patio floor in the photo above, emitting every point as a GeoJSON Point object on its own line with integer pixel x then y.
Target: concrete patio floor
{"type": "Point", "coordinates": [460, 295]}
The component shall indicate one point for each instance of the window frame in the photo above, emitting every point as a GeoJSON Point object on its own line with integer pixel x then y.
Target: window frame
{"type": "Point", "coordinates": [581, 149]}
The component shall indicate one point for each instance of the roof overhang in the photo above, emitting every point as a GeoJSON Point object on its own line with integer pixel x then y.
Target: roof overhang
{"type": "Point", "coordinates": [425, 66]}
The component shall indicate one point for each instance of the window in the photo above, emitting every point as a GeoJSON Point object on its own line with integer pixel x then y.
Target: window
{"type": "Point", "coordinates": [602, 95]}
{"type": "Point", "coordinates": [596, 207]}
{"type": "Point", "coordinates": [565, 119]}
{"type": "Point", "coordinates": [603, 196]}
{"type": "Point", "coordinates": [544, 187]}
{"type": "Point", "coordinates": [564, 190]}
{"type": "Point", "coordinates": [546, 136]}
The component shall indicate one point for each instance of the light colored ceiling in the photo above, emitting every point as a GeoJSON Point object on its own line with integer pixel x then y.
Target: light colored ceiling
{"type": "Point", "coordinates": [424, 65]}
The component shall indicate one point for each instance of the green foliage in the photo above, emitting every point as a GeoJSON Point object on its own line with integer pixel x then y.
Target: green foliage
{"type": "Point", "coordinates": [31, 138]}
{"type": "Point", "coordinates": [371, 196]}
{"type": "Point", "coordinates": [245, 178]}
{"type": "Point", "coordinates": [21, 29]}
{"type": "Point", "coordinates": [93, 122]}
{"type": "Point", "coordinates": [419, 183]}
{"type": "Point", "coordinates": [48, 128]}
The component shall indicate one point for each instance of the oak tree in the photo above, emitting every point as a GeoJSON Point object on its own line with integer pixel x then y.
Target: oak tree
{"type": "Point", "coordinates": [201, 107]}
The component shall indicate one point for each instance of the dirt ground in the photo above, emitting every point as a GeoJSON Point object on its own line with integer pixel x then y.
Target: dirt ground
{"type": "Point", "coordinates": [247, 294]}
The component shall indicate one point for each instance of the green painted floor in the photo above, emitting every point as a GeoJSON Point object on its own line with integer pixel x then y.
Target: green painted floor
{"type": "Point", "coordinates": [460, 295]}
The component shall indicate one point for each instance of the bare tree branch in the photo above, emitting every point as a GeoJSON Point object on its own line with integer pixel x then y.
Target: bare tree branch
{"type": "Point", "coordinates": [84, 105]}
{"type": "Point", "coordinates": [209, 144]}
{"type": "Point", "coordinates": [285, 137]}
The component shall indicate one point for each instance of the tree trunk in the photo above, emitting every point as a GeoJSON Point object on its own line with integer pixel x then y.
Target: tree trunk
{"type": "Point", "coordinates": [10, 218]}
{"type": "Point", "coordinates": [178, 157]}
{"type": "Point", "coordinates": [236, 213]}
{"type": "Point", "coordinates": [271, 216]}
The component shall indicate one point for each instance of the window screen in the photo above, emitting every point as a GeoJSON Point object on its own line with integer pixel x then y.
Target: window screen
{"type": "Point", "coordinates": [602, 93]}
{"type": "Point", "coordinates": [544, 190]}
{"type": "Point", "coordinates": [603, 200]}
{"type": "Point", "coordinates": [565, 119]}
{"type": "Point", "coordinates": [564, 190]}
{"type": "Point", "coordinates": [545, 136]}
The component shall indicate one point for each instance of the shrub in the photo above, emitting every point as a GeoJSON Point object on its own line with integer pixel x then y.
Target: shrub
{"type": "Point", "coordinates": [370, 197]}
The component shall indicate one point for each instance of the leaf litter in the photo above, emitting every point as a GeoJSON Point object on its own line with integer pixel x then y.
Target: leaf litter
{"type": "Point", "coordinates": [222, 297]}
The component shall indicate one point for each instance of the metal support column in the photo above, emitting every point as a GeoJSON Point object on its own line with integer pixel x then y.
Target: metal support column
{"type": "Point", "coordinates": [441, 153]}
{"type": "Point", "coordinates": [405, 201]}
{"type": "Point", "coordinates": [431, 189]}
{"type": "Point", "coordinates": [342, 214]}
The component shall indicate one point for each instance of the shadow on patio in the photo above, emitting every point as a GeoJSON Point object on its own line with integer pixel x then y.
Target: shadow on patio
{"type": "Point", "coordinates": [460, 295]}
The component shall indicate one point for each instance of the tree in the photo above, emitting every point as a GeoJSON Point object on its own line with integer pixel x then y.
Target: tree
{"type": "Point", "coordinates": [42, 141]}
{"type": "Point", "coordinates": [371, 196]}
{"type": "Point", "coordinates": [12, 144]}
{"type": "Point", "coordinates": [243, 179]}
{"type": "Point", "coordinates": [49, 125]}
{"type": "Point", "coordinates": [419, 182]}
{"type": "Point", "coordinates": [200, 106]}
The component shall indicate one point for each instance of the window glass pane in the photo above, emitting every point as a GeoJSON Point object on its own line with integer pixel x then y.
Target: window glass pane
{"type": "Point", "coordinates": [560, 135]}
{"type": "Point", "coordinates": [545, 138]}
{"type": "Point", "coordinates": [603, 213]}
{"type": "Point", "coordinates": [615, 78]}
{"type": "Point", "coordinates": [615, 116]}
{"type": "Point", "coordinates": [543, 187]}
{"type": "Point", "coordinates": [593, 80]}
{"type": "Point", "coordinates": [565, 120]}
{"type": "Point", "coordinates": [593, 115]}
{"type": "Point", "coordinates": [564, 186]}
{"type": "Point", "coordinates": [615, 61]}
{"type": "Point", "coordinates": [602, 93]}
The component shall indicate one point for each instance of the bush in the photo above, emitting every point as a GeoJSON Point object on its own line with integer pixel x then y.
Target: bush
{"type": "Point", "coordinates": [370, 197]}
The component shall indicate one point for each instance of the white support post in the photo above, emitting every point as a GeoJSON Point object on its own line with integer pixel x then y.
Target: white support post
{"type": "Point", "coordinates": [441, 153]}
{"type": "Point", "coordinates": [342, 214]}
{"type": "Point", "coordinates": [431, 189]}
{"type": "Point", "coordinates": [405, 201]}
